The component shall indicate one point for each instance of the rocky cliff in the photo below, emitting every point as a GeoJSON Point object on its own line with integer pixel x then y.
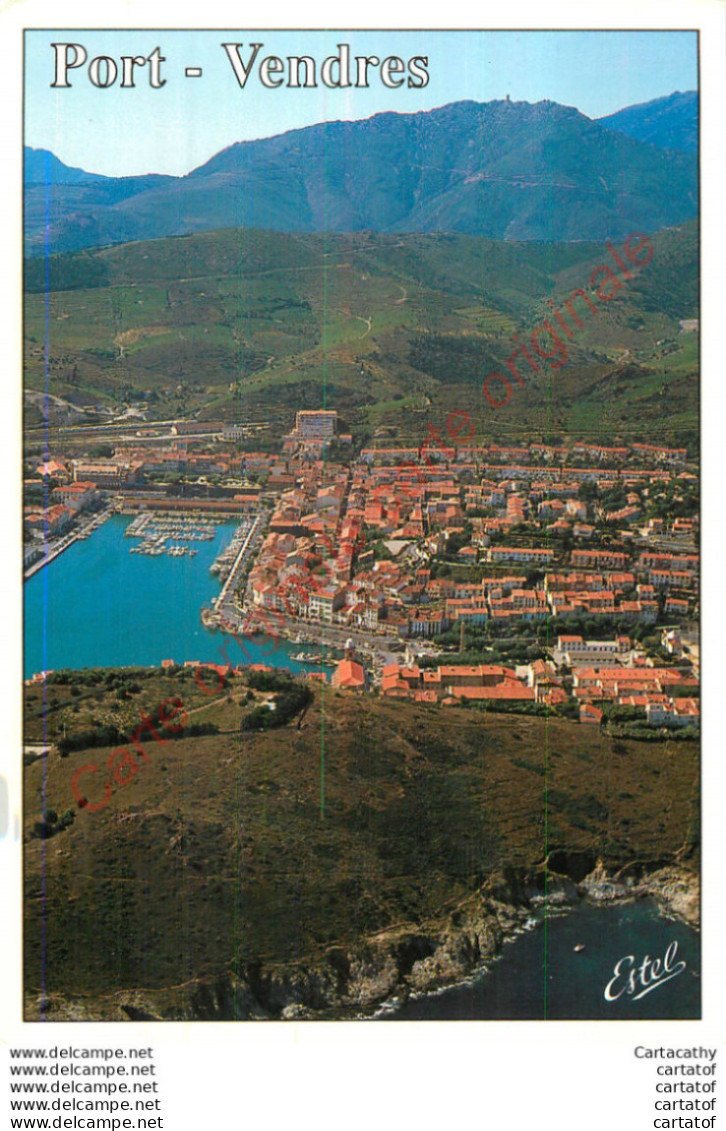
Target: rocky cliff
{"type": "Point", "coordinates": [390, 965]}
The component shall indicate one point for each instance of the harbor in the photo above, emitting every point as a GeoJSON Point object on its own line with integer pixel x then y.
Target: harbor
{"type": "Point", "coordinates": [104, 603]}
{"type": "Point", "coordinates": [96, 605]}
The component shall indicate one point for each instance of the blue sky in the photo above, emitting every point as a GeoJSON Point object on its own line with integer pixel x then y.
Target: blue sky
{"type": "Point", "coordinates": [179, 126]}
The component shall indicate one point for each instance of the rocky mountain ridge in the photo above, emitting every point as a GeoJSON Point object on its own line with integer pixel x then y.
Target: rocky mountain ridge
{"type": "Point", "coordinates": [506, 170]}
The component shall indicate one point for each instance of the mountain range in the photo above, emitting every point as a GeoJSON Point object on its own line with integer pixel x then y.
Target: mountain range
{"type": "Point", "coordinates": [505, 170]}
{"type": "Point", "coordinates": [668, 123]}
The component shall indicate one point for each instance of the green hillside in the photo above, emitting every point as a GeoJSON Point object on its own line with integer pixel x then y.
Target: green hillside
{"type": "Point", "coordinates": [392, 331]}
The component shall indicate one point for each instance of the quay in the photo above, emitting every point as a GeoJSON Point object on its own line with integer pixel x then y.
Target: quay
{"type": "Point", "coordinates": [53, 550]}
{"type": "Point", "coordinates": [230, 583]}
{"type": "Point", "coordinates": [223, 612]}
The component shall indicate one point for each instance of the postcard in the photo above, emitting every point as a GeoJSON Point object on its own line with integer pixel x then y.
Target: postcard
{"type": "Point", "coordinates": [370, 423]}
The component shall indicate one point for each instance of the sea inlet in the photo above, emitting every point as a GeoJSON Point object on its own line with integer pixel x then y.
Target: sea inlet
{"type": "Point", "coordinates": [98, 605]}
{"type": "Point", "coordinates": [561, 968]}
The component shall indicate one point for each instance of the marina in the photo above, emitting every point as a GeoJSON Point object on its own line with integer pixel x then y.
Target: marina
{"type": "Point", "coordinates": [228, 560]}
{"type": "Point", "coordinates": [156, 531]}
{"type": "Point", "coordinates": [97, 605]}
{"type": "Point", "coordinates": [228, 566]}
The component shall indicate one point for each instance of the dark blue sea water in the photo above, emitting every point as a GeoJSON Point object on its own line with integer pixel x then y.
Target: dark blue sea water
{"type": "Point", "coordinates": [541, 977]}
{"type": "Point", "coordinates": [97, 605]}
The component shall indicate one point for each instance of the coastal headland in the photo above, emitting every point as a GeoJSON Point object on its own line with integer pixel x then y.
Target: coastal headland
{"type": "Point", "coordinates": [363, 849]}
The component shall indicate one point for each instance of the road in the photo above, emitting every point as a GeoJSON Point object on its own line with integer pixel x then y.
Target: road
{"type": "Point", "coordinates": [370, 646]}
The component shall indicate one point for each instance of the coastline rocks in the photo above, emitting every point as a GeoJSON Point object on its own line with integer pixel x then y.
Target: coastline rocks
{"type": "Point", "coordinates": [675, 888]}
{"type": "Point", "coordinates": [472, 935]}
{"type": "Point", "coordinates": [374, 976]}
{"type": "Point", "coordinates": [678, 892]}
{"type": "Point", "coordinates": [525, 887]}
{"type": "Point", "coordinates": [356, 980]}
{"type": "Point", "coordinates": [600, 889]}
{"type": "Point", "coordinates": [299, 988]}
